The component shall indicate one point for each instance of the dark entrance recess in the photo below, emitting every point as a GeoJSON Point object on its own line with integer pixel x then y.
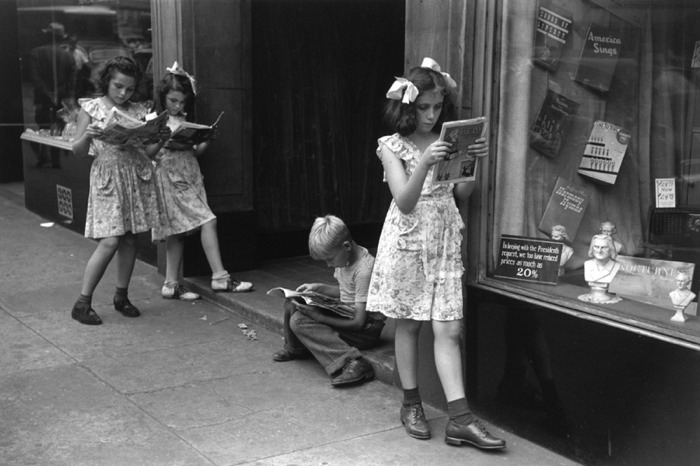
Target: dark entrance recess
{"type": "Point", "coordinates": [320, 73]}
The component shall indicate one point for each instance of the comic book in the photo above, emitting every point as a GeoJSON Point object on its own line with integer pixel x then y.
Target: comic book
{"type": "Point", "coordinates": [121, 129]}
{"type": "Point", "coordinates": [313, 298]}
{"type": "Point", "coordinates": [459, 166]}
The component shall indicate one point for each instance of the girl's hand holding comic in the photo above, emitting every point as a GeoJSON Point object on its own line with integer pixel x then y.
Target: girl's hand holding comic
{"type": "Point", "coordinates": [436, 152]}
{"type": "Point", "coordinates": [93, 131]}
{"type": "Point", "coordinates": [479, 149]}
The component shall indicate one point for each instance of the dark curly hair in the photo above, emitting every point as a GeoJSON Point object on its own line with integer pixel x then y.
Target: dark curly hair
{"type": "Point", "coordinates": [401, 117]}
{"type": "Point", "coordinates": [120, 64]}
{"type": "Point", "coordinates": [175, 82]}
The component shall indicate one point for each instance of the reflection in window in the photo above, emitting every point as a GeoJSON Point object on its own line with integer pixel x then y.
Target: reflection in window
{"type": "Point", "coordinates": [63, 44]}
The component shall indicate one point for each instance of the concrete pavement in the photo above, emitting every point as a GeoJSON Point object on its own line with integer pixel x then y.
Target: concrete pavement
{"type": "Point", "coordinates": [181, 385]}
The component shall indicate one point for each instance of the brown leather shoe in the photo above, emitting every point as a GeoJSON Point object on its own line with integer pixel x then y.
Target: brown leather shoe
{"type": "Point", "coordinates": [413, 418]}
{"type": "Point", "coordinates": [356, 370]}
{"type": "Point", "coordinates": [474, 434]}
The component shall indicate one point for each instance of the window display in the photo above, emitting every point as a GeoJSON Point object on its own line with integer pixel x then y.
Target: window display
{"type": "Point", "coordinates": [62, 44]}
{"type": "Point", "coordinates": [597, 137]}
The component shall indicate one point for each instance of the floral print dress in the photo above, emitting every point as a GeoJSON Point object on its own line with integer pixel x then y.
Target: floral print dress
{"type": "Point", "coordinates": [418, 268]}
{"type": "Point", "coordinates": [122, 193]}
{"type": "Point", "coordinates": [181, 191]}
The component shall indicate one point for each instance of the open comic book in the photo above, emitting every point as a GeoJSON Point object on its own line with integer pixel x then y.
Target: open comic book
{"type": "Point", "coordinates": [121, 129]}
{"type": "Point", "coordinates": [459, 166]}
{"type": "Point", "coordinates": [193, 133]}
{"type": "Point", "coordinates": [315, 299]}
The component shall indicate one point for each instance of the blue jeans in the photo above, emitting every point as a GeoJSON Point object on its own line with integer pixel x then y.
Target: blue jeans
{"type": "Point", "coordinates": [331, 347]}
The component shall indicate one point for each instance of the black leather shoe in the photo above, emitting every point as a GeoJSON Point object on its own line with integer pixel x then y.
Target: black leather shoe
{"type": "Point", "coordinates": [124, 306]}
{"type": "Point", "coordinates": [474, 434]}
{"type": "Point", "coordinates": [413, 419]}
{"type": "Point", "coordinates": [86, 315]}
{"type": "Point", "coordinates": [282, 356]}
{"type": "Point", "coordinates": [357, 370]}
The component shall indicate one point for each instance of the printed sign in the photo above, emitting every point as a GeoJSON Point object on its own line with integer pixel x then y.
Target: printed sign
{"type": "Point", "coordinates": [529, 259]}
{"type": "Point", "coordinates": [666, 193]}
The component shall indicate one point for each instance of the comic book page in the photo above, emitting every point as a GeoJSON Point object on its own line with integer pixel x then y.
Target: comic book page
{"type": "Point", "coordinates": [122, 129]}
{"type": "Point", "coordinates": [315, 299]}
{"type": "Point", "coordinates": [459, 166]}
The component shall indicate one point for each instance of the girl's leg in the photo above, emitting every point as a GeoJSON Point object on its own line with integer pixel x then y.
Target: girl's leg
{"type": "Point", "coordinates": [448, 357]}
{"type": "Point", "coordinates": [97, 264]}
{"type": "Point", "coordinates": [210, 244]}
{"type": "Point", "coordinates": [126, 259]}
{"type": "Point", "coordinates": [406, 353]}
{"type": "Point", "coordinates": [462, 426]}
{"type": "Point", "coordinates": [174, 251]}
{"type": "Point", "coordinates": [94, 271]}
{"type": "Point", "coordinates": [221, 280]}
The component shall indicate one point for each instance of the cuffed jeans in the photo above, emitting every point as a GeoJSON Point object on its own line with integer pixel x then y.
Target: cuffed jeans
{"type": "Point", "coordinates": [331, 347]}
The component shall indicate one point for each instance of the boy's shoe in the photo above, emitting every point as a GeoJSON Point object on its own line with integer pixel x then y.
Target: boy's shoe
{"type": "Point", "coordinates": [413, 419]}
{"type": "Point", "coordinates": [356, 370]}
{"type": "Point", "coordinates": [86, 315]}
{"type": "Point", "coordinates": [228, 284]}
{"type": "Point", "coordinates": [124, 306]}
{"type": "Point", "coordinates": [282, 356]}
{"type": "Point", "coordinates": [474, 434]}
{"type": "Point", "coordinates": [178, 292]}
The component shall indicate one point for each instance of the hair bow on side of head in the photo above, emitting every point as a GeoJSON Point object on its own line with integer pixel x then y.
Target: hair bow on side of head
{"type": "Point", "coordinates": [403, 90]}
{"type": "Point", "coordinates": [176, 69]}
{"type": "Point", "coordinates": [432, 64]}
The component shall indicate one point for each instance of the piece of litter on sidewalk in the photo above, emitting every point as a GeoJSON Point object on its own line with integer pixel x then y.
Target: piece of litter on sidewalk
{"type": "Point", "coordinates": [47, 224]}
{"type": "Point", "coordinates": [249, 333]}
{"type": "Point", "coordinates": [217, 321]}
{"type": "Point", "coordinates": [203, 318]}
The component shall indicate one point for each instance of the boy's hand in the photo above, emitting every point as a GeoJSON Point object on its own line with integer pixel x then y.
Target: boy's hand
{"type": "Point", "coordinates": [307, 287]}
{"type": "Point", "coordinates": [309, 311]}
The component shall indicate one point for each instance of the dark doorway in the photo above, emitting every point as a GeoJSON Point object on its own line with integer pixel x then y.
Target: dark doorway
{"type": "Point", "coordinates": [320, 73]}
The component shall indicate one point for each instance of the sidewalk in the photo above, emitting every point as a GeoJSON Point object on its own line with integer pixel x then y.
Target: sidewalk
{"type": "Point", "coordinates": [182, 384]}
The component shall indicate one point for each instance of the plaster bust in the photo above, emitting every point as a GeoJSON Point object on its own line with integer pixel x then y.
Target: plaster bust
{"type": "Point", "coordinates": [601, 269]}
{"type": "Point", "coordinates": [559, 234]}
{"type": "Point", "coordinates": [682, 296]}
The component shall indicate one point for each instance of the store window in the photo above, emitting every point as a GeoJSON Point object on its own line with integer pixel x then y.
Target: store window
{"type": "Point", "coordinates": [63, 44]}
{"type": "Point", "coordinates": [595, 183]}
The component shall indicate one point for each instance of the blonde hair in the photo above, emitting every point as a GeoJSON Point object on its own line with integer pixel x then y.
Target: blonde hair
{"type": "Point", "coordinates": [327, 233]}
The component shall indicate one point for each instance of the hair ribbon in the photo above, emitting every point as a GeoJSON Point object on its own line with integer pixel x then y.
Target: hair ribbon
{"type": "Point", "coordinates": [403, 90]}
{"type": "Point", "coordinates": [432, 64]}
{"type": "Point", "coordinates": [176, 69]}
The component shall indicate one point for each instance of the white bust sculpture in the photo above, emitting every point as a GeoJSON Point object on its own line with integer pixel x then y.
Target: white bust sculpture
{"type": "Point", "coordinates": [600, 270]}
{"type": "Point", "coordinates": [681, 297]}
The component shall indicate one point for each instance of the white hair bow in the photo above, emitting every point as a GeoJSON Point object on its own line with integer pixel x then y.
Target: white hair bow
{"type": "Point", "coordinates": [176, 69]}
{"type": "Point", "coordinates": [432, 64]}
{"type": "Point", "coordinates": [403, 90]}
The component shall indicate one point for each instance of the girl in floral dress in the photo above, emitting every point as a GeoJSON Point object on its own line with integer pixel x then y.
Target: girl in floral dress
{"type": "Point", "coordinates": [122, 200]}
{"type": "Point", "coordinates": [181, 191]}
{"type": "Point", "coordinates": [418, 270]}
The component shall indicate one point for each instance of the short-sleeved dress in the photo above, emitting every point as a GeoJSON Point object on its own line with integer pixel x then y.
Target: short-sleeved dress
{"type": "Point", "coordinates": [180, 185]}
{"type": "Point", "coordinates": [122, 191]}
{"type": "Point", "coordinates": [418, 268]}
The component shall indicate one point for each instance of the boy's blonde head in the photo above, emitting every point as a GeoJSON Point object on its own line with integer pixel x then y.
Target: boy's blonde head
{"type": "Point", "coordinates": [327, 234]}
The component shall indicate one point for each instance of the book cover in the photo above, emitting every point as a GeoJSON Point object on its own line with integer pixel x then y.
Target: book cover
{"type": "Point", "coordinates": [193, 133]}
{"type": "Point", "coordinates": [121, 129]}
{"type": "Point", "coordinates": [459, 165]}
{"type": "Point", "coordinates": [599, 55]}
{"type": "Point", "coordinates": [665, 193]}
{"type": "Point", "coordinates": [315, 299]}
{"type": "Point", "coordinates": [648, 280]}
{"type": "Point", "coordinates": [604, 152]}
{"type": "Point", "coordinates": [552, 29]}
{"type": "Point", "coordinates": [566, 207]}
{"type": "Point", "coordinates": [552, 123]}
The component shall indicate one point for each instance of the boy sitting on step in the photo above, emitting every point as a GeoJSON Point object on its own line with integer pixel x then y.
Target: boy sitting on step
{"type": "Point", "coordinates": [334, 341]}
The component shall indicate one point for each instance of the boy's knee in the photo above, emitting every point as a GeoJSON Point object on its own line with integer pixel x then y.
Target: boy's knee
{"type": "Point", "coordinates": [289, 306]}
